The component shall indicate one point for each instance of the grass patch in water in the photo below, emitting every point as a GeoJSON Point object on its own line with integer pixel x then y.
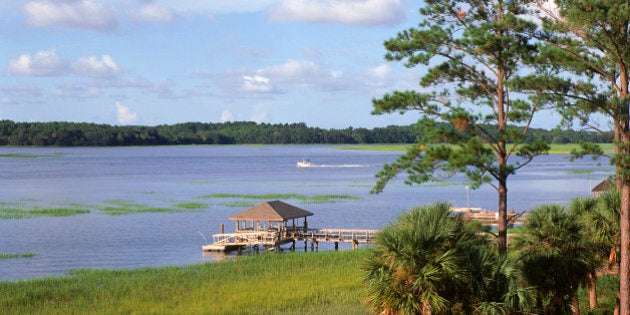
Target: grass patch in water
{"type": "Point", "coordinates": [238, 204]}
{"type": "Point", "coordinates": [577, 172]}
{"type": "Point", "coordinates": [21, 212]}
{"type": "Point", "coordinates": [375, 147]}
{"type": "Point", "coordinates": [191, 205]}
{"type": "Point", "coordinates": [120, 207]}
{"type": "Point", "coordinates": [554, 148]}
{"type": "Point", "coordinates": [325, 282]}
{"type": "Point", "coordinates": [14, 255]}
{"type": "Point", "coordinates": [442, 184]}
{"type": "Point", "coordinates": [317, 199]}
{"type": "Point", "coordinates": [27, 155]}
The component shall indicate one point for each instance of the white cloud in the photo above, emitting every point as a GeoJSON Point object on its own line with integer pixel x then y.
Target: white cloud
{"type": "Point", "coordinates": [44, 63]}
{"type": "Point", "coordinates": [259, 117]}
{"type": "Point", "coordinates": [292, 69]}
{"type": "Point", "coordinates": [256, 83]}
{"type": "Point", "coordinates": [79, 91]}
{"type": "Point", "coordinates": [226, 116]}
{"type": "Point", "coordinates": [382, 71]}
{"type": "Point", "coordinates": [22, 91]}
{"type": "Point", "coordinates": [153, 13]}
{"type": "Point", "coordinates": [94, 67]}
{"type": "Point", "coordinates": [125, 116]}
{"type": "Point", "coordinates": [218, 6]}
{"type": "Point", "coordinates": [353, 12]}
{"type": "Point", "coordinates": [81, 14]}
{"type": "Point", "coordinates": [281, 78]}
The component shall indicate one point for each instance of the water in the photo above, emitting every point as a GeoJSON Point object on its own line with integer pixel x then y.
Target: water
{"type": "Point", "coordinates": [166, 176]}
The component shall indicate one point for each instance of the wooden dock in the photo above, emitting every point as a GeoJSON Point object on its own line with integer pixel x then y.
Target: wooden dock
{"type": "Point", "coordinates": [275, 223]}
{"type": "Point", "coordinates": [272, 239]}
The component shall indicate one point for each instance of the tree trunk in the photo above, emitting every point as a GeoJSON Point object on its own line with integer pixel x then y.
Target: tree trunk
{"type": "Point", "coordinates": [575, 304]}
{"type": "Point", "coordinates": [592, 290]}
{"type": "Point", "coordinates": [502, 222]}
{"type": "Point", "coordinates": [624, 266]}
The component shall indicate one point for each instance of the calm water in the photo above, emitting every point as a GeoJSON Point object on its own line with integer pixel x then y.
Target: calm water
{"type": "Point", "coordinates": [166, 176]}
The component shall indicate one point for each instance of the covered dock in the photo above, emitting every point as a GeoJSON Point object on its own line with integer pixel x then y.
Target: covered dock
{"type": "Point", "coordinates": [274, 223]}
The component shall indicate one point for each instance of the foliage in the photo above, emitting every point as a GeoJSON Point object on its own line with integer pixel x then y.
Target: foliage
{"type": "Point", "coordinates": [590, 41]}
{"type": "Point", "coordinates": [431, 262]}
{"type": "Point", "coordinates": [476, 105]}
{"type": "Point", "coordinates": [557, 257]}
{"type": "Point", "coordinates": [88, 134]}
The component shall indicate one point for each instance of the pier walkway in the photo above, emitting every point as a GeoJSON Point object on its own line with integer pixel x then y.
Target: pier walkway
{"type": "Point", "coordinates": [274, 238]}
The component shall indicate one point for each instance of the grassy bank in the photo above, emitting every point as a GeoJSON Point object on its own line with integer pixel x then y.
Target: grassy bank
{"type": "Point", "coordinates": [555, 148]}
{"type": "Point", "coordinates": [290, 283]}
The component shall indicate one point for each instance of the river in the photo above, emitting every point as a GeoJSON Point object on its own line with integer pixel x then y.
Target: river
{"type": "Point", "coordinates": [171, 176]}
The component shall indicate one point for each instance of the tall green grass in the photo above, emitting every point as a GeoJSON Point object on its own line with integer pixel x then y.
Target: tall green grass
{"type": "Point", "coordinates": [316, 199]}
{"type": "Point", "coordinates": [16, 211]}
{"type": "Point", "coordinates": [291, 283]}
{"type": "Point", "coordinates": [121, 207]}
{"type": "Point", "coordinates": [27, 155]}
{"type": "Point", "coordinates": [16, 255]}
{"type": "Point", "coordinates": [555, 148]}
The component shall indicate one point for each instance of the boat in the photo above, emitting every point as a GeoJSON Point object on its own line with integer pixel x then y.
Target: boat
{"type": "Point", "coordinates": [304, 163]}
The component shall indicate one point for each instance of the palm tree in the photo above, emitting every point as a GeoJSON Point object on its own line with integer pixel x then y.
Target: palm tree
{"type": "Point", "coordinates": [429, 261]}
{"type": "Point", "coordinates": [600, 219]}
{"type": "Point", "coordinates": [557, 257]}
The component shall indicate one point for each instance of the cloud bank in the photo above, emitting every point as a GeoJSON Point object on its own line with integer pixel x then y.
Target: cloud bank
{"type": "Point", "coordinates": [125, 115]}
{"type": "Point", "coordinates": [80, 14]}
{"type": "Point", "coordinates": [352, 12]}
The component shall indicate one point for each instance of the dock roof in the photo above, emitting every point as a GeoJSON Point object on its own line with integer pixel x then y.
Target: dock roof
{"type": "Point", "coordinates": [275, 211]}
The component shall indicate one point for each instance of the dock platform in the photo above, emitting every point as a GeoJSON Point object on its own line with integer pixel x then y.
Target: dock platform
{"type": "Point", "coordinates": [273, 239]}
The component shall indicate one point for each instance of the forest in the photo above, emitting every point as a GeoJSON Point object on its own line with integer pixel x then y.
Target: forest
{"type": "Point", "coordinates": [90, 134]}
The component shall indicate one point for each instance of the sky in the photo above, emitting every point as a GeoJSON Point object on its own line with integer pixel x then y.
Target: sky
{"type": "Point", "coordinates": [154, 62]}
{"type": "Point", "coordinates": [145, 62]}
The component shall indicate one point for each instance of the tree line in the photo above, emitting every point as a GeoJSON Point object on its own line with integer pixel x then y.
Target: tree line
{"type": "Point", "coordinates": [91, 134]}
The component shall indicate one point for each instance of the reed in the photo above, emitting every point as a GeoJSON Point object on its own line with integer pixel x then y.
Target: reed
{"type": "Point", "coordinates": [16, 211]}
{"type": "Point", "coordinates": [191, 205]}
{"type": "Point", "coordinates": [122, 207]}
{"type": "Point", "coordinates": [316, 199]}
{"type": "Point", "coordinates": [292, 283]}
{"type": "Point", "coordinates": [16, 255]}
{"type": "Point", "coordinates": [27, 155]}
{"type": "Point", "coordinates": [555, 148]}
{"type": "Point", "coordinates": [578, 172]}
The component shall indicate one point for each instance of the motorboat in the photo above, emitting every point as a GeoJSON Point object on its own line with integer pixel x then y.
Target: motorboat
{"type": "Point", "coordinates": [304, 163]}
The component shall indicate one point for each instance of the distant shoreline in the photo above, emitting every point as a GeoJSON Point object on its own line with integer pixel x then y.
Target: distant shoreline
{"type": "Point", "coordinates": [555, 148]}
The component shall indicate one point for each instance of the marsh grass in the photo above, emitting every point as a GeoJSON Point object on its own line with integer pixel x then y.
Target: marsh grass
{"type": "Point", "coordinates": [122, 207]}
{"type": "Point", "coordinates": [27, 155]}
{"type": "Point", "coordinates": [245, 198]}
{"type": "Point", "coordinates": [442, 184]}
{"type": "Point", "coordinates": [238, 204]}
{"type": "Point", "coordinates": [578, 172]}
{"type": "Point", "coordinates": [16, 255]}
{"type": "Point", "coordinates": [17, 211]}
{"type": "Point", "coordinates": [191, 205]}
{"type": "Point", "coordinates": [290, 283]}
{"type": "Point", "coordinates": [555, 148]}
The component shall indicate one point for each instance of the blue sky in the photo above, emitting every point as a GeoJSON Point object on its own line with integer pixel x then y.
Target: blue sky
{"type": "Point", "coordinates": [156, 62]}
{"type": "Point", "coordinates": [151, 62]}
